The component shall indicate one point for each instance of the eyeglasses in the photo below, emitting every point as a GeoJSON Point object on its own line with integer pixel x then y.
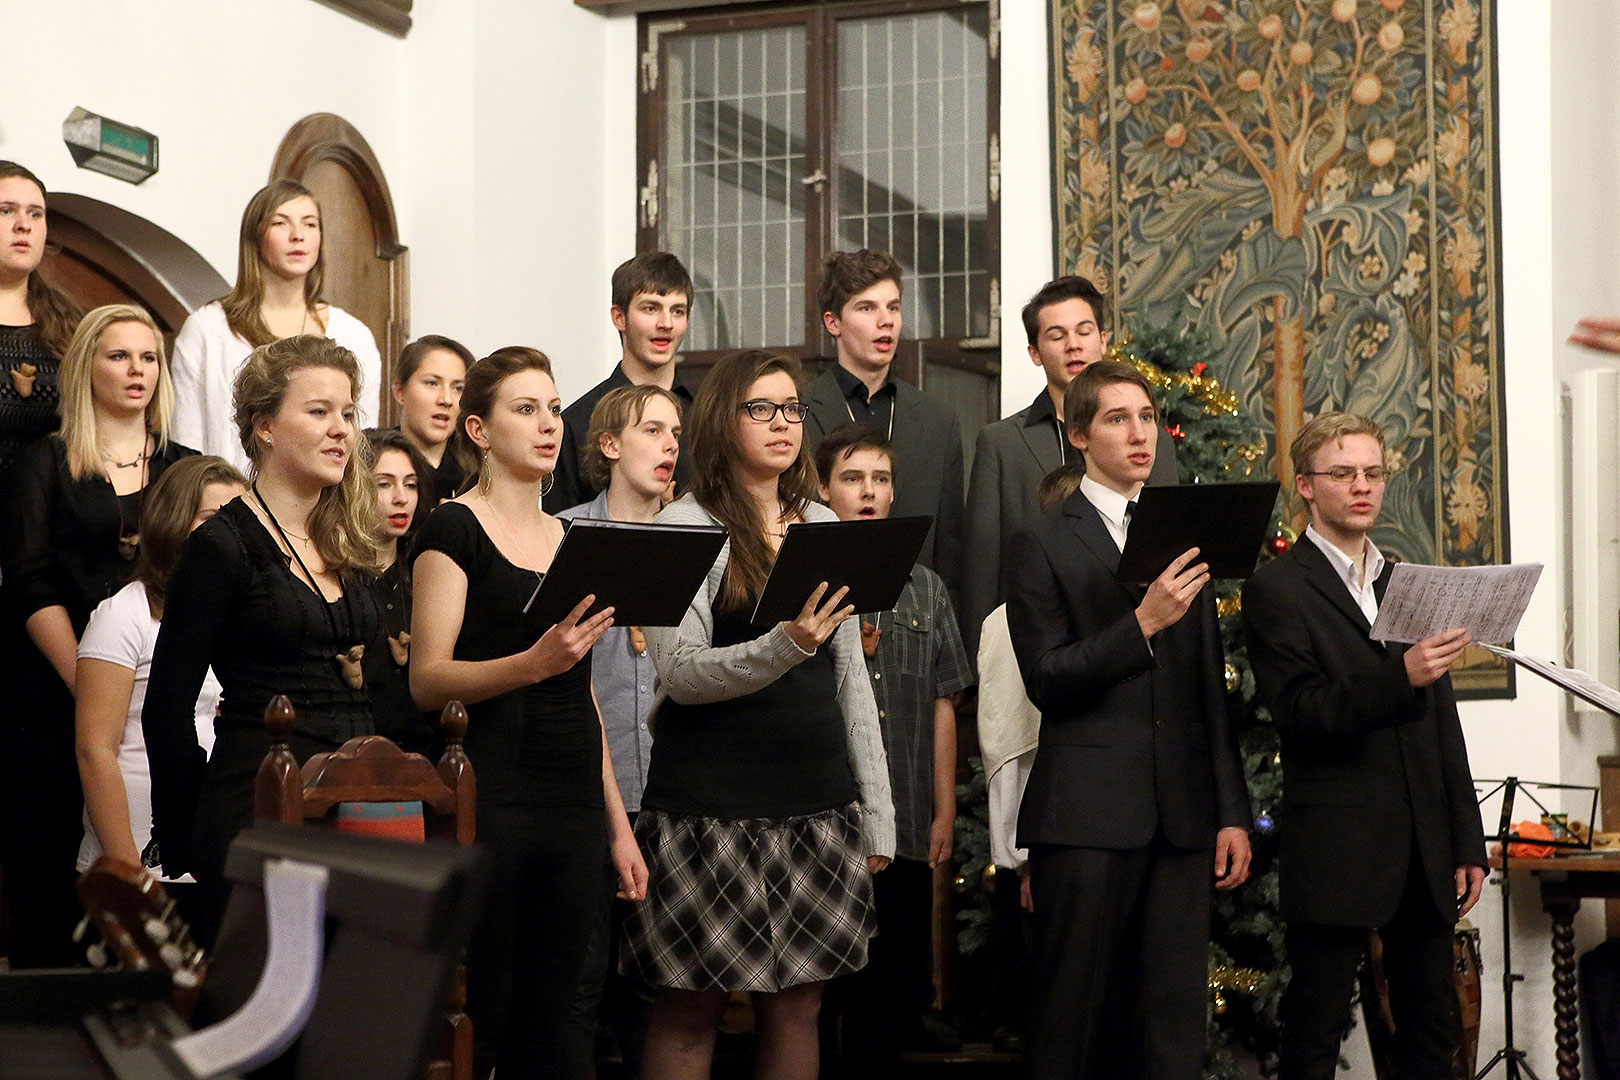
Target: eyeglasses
{"type": "Point", "coordinates": [1345, 474]}
{"type": "Point", "coordinates": [765, 411]}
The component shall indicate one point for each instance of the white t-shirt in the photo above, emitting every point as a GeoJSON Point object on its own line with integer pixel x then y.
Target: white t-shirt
{"type": "Point", "coordinates": [207, 356]}
{"type": "Point", "coordinates": [122, 631]}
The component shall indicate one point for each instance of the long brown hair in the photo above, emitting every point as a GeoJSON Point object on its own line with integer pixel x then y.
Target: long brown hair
{"type": "Point", "coordinates": [715, 449]}
{"type": "Point", "coordinates": [77, 401]}
{"type": "Point", "coordinates": [344, 525]}
{"type": "Point", "coordinates": [242, 303]}
{"type": "Point", "coordinates": [484, 378]}
{"type": "Point", "coordinates": [167, 511]}
{"type": "Point", "coordinates": [55, 316]}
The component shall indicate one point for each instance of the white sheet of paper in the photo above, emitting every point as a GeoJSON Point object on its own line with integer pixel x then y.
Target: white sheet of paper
{"type": "Point", "coordinates": [1582, 685]}
{"type": "Point", "coordinates": [1487, 601]}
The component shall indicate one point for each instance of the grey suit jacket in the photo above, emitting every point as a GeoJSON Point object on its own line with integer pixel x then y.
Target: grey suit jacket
{"type": "Point", "coordinates": [1009, 460]}
{"type": "Point", "coordinates": [927, 444]}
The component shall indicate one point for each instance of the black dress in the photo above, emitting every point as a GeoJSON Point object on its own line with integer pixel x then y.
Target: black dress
{"type": "Point", "coordinates": [59, 547]}
{"type": "Point", "coordinates": [387, 680]}
{"type": "Point", "coordinates": [537, 756]}
{"type": "Point", "coordinates": [235, 604]}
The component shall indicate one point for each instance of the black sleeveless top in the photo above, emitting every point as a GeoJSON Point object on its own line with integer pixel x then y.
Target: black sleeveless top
{"type": "Point", "coordinates": [777, 752]}
{"type": "Point", "coordinates": [537, 746]}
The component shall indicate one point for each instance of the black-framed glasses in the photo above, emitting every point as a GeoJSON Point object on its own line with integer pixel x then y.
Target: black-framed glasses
{"type": "Point", "coordinates": [1346, 474]}
{"type": "Point", "coordinates": [765, 411]}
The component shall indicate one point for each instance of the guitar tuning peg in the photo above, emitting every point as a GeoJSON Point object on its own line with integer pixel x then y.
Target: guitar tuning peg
{"type": "Point", "coordinates": [80, 930]}
{"type": "Point", "coordinates": [157, 930]}
{"type": "Point", "coordinates": [186, 979]}
{"type": "Point", "coordinates": [172, 955]}
{"type": "Point", "coordinates": [97, 955]}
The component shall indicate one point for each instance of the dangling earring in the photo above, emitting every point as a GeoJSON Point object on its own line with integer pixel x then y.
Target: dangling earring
{"type": "Point", "coordinates": [483, 475]}
{"type": "Point", "coordinates": [547, 484]}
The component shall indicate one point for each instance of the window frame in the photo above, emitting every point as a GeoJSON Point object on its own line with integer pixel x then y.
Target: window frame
{"type": "Point", "coordinates": [915, 356]}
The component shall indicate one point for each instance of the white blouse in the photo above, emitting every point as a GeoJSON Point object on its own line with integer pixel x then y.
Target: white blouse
{"type": "Point", "coordinates": [207, 356]}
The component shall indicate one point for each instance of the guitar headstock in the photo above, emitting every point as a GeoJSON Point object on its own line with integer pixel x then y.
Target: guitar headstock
{"type": "Point", "coordinates": [140, 928]}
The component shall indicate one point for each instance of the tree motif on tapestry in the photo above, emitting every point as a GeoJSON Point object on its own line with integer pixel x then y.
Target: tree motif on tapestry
{"type": "Point", "coordinates": [1313, 184]}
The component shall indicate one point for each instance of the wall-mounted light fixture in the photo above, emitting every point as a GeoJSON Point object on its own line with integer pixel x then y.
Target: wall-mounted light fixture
{"type": "Point", "coordinates": [108, 147]}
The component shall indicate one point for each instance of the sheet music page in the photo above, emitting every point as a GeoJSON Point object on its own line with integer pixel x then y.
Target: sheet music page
{"type": "Point", "coordinates": [1487, 601]}
{"type": "Point", "coordinates": [1576, 681]}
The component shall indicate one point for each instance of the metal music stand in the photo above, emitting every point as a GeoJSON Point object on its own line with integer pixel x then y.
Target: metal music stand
{"type": "Point", "coordinates": [1510, 1056]}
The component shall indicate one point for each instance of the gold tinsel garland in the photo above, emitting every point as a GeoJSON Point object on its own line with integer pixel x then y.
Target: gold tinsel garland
{"type": "Point", "coordinates": [1224, 979]}
{"type": "Point", "coordinates": [1202, 387]}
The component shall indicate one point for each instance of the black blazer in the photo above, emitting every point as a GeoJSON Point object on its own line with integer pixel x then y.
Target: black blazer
{"type": "Point", "coordinates": [1368, 762]}
{"type": "Point", "coordinates": [928, 471]}
{"type": "Point", "coordinates": [1132, 738]}
{"type": "Point", "coordinates": [1010, 457]}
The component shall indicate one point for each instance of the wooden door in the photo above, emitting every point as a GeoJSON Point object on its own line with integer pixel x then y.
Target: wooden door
{"type": "Point", "coordinates": [366, 266]}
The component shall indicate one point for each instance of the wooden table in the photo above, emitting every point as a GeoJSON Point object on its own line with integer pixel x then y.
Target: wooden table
{"type": "Point", "coordinates": [1566, 880]}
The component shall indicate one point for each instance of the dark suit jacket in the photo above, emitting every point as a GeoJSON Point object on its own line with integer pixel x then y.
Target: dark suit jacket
{"type": "Point", "coordinates": [1368, 762]}
{"type": "Point", "coordinates": [927, 444]}
{"type": "Point", "coordinates": [1009, 459]}
{"type": "Point", "coordinates": [1132, 738]}
{"type": "Point", "coordinates": [569, 487]}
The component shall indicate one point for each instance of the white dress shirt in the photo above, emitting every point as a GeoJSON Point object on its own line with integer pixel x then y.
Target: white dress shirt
{"type": "Point", "coordinates": [1345, 566]}
{"type": "Point", "coordinates": [1113, 507]}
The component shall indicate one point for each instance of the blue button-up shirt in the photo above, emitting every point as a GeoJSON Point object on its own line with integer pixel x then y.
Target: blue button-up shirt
{"type": "Point", "coordinates": [623, 681]}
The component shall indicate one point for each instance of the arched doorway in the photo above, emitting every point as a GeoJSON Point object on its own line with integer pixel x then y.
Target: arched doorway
{"type": "Point", "coordinates": [102, 254]}
{"type": "Point", "coordinates": [367, 268]}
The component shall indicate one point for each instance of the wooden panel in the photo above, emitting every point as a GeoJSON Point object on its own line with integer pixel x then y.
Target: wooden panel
{"type": "Point", "coordinates": [393, 16]}
{"type": "Point", "coordinates": [356, 280]}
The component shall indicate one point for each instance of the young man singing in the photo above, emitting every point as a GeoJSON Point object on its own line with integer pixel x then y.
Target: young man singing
{"type": "Point", "coordinates": [860, 307]}
{"type": "Point", "coordinates": [1381, 826]}
{"type": "Point", "coordinates": [918, 668]}
{"type": "Point", "coordinates": [1064, 324]}
{"type": "Point", "coordinates": [652, 298]}
{"type": "Point", "coordinates": [1136, 802]}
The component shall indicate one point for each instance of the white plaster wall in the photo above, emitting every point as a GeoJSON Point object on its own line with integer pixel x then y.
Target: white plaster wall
{"type": "Point", "coordinates": [507, 130]}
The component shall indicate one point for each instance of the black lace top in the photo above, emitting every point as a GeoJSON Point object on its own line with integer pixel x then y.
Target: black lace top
{"type": "Point", "coordinates": [27, 400]}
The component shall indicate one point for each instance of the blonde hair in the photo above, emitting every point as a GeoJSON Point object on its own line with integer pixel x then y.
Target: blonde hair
{"type": "Point", "coordinates": [77, 399]}
{"type": "Point", "coordinates": [620, 408]}
{"type": "Point", "coordinates": [1329, 427]}
{"type": "Point", "coordinates": [242, 303]}
{"type": "Point", "coordinates": [344, 526]}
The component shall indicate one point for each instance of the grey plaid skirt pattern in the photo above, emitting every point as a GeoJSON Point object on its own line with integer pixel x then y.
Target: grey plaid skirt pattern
{"type": "Point", "coordinates": [756, 905]}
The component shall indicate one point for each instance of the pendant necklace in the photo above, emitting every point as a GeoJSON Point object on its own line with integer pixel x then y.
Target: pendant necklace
{"type": "Point", "coordinates": [348, 660]}
{"type": "Point", "coordinates": [129, 545]}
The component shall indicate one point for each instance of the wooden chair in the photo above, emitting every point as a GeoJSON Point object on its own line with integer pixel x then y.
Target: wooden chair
{"type": "Point", "coordinates": [372, 769]}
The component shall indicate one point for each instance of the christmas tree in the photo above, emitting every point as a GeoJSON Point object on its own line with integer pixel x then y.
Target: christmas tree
{"type": "Point", "coordinates": [1216, 441]}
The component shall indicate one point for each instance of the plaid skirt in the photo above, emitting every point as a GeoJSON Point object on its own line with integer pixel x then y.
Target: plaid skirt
{"type": "Point", "coordinates": [757, 905]}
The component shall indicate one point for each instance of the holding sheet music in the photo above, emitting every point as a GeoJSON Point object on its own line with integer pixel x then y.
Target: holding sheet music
{"type": "Point", "coordinates": [767, 803]}
{"type": "Point", "coordinates": [1379, 823]}
{"type": "Point", "coordinates": [549, 809]}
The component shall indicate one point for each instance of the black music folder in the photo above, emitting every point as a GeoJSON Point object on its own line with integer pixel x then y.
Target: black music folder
{"type": "Point", "coordinates": [648, 574]}
{"type": "Point", "coordinates": [874, 558]}
{"type": "Point", "coordinates": [1226, 522]}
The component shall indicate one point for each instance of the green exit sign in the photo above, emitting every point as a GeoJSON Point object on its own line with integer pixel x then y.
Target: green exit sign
{"type": "Point", "coordinates": [109, 147]}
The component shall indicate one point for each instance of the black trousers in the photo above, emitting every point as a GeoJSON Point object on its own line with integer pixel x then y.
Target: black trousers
{"type": "Point", "coordinates": [530, 947]}
{"type": "Point", "coordinates": [43, 825]}
{"type": "Point", "coordinates": [607, 997]}
{"type": "Point", "coordinates": [886, 999]}
{"type": "Point", "coordinates": [1418, 959]}
{"type": "Point", "coordinates": [1121, 962]}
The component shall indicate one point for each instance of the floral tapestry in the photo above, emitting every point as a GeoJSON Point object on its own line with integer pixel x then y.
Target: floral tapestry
{"type": "Point", "coordinates": [1313, 183]}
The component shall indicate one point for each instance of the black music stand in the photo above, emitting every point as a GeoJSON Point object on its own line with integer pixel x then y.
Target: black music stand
{"type": "Point", "coordinates": [1510, 1056]}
